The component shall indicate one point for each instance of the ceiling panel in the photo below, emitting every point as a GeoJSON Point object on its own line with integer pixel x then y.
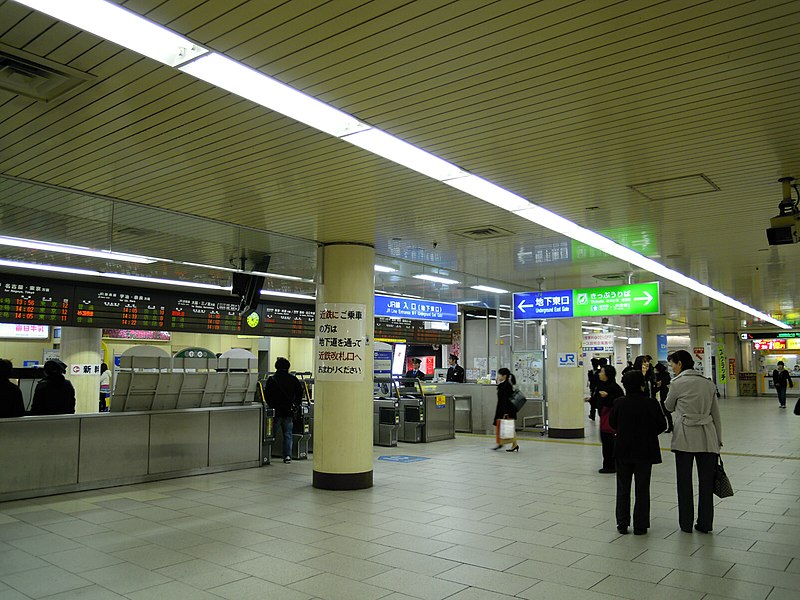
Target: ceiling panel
{"type": "Point", "coordinates": [566, 104]}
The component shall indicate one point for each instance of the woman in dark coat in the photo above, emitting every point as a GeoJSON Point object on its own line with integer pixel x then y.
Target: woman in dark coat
{"type": "Point", "coordinates": [54, 395]}
{"type": "Point", "coordinates": [11, 403]}
{"type": "Point", "coordinates": [505, 408]}
{"type": "Point", "coordinates": [642, 364]}
{"type": "Point", "coordinates": [662, 387]}
{"type": "Point", "coordinates": [638, 420]}
{"type": "Point", "coordinates": [602, 400]}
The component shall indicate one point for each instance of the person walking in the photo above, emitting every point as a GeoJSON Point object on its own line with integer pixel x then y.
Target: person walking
{"type": "Point", "coordinates": [662, 388]}
{"type": "Point", "coordinates": [781, 378]}
{"type": "Point", "coordinates": [54, 395]}
{"type": "Point", "coordinates": [284, 393]}
{"type": "Point", "coordinates": [11, 402]}
{"type": "Point", "coordinates": [606, 392]}
{"type": "Point", "coordinates": [638, 419]}
{"type": "Point", "coordinates": [105, 387]}
{"type": "Point", "coordinates": [696, 437]}
{"type": "Point", "coordinates": [505, 409]}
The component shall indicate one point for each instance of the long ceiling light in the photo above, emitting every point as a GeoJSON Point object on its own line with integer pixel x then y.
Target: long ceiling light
{"type": "Point", "coordinates": [287, 295]}
{"type": "Point", "coordinates": [110, 21]}
{"type": "Point", "coordinates": [436, 279]}
{"type": "Point", "coordinates": [488, 288]}
{"type": "Point", "coordinates": [79, 250]}
{"type": "Point", "coordinates": [382, 269]}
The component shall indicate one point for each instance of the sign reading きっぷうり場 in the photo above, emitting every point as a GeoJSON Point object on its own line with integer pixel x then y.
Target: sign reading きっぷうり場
{"type": "Point", "coordinates": [341, 342]}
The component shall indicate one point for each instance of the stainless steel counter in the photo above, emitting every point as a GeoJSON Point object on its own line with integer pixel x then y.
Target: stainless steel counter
{"type": "Point", "coordinates": [55, 454]}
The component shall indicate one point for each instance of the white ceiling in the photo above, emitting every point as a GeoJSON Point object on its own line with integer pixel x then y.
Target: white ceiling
{"type": "Point", "coordinates": [571, 105]}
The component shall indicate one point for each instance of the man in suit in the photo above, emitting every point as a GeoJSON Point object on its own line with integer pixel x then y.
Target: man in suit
{"type": "Point", "coordinates": [416, 371]}
{"type": "Point", "coordinates": [455, 372]}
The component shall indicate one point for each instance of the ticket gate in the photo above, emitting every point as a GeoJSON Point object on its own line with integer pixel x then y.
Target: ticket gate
{"type": "Point", "coordinates": [412, 420]}
{"type": "Point", "coordinates": [385, 421]}
{"type": "Point", "coordinates": [301, 435]}
{"type": "Point", "coordinates": [267, 433]}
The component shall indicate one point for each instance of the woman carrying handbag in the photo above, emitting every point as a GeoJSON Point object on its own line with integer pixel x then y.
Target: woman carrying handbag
{"type": "Point", "coordinates": [505, 408]}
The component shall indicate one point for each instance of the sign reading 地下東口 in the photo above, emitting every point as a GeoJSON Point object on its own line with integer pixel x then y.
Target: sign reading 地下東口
{"type": "Point", "coordinates": [420, 310]}
{"type": "Point", "coordinates": [341, 342]}
{"type": "Point", "coordinates": [632, 299]}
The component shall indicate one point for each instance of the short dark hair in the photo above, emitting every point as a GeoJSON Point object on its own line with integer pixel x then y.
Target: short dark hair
{"type": "Point", "coordinates": [454, 357]}
{"type": "Point", "coordinates": [602, 362]}
{"type": "Point", "coordinates": [5, 368]}
{"type": "Point", "coordinates": [282, 364]}
{"type": "Point", "coordinates": [610, 371]}
{"type": "Point", "coordinates": [780, 362]}
{"type": "Point", "coordinates": [633, 381]}
{"type": "Point", "coordinates": [660, 367]}
{"type": "Point", "coordinates": [683, 357]}
{"type": "Point", "coordinates": [595, 363]}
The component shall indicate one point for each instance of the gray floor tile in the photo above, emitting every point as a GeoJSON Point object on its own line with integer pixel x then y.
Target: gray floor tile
{"type": "Point", "coordinates": [488, 579]}
{"type": "Point", "coordinates": [332, 587]}
{"type": "Point", "coordinates": [639, 590]}
{"type": "Point", "coordinates": [275, 570]}
{"type": "Point", "coordinates": [414, 561]}
{"type": "Point", "coordinates": [174, 590]}
{"type": "Point", "coordinates": [352, 547]}
{"type": "Point", "coordinates": [125, 578]}
{"type": "Point", "coordinates": [77, 560]}
{"type": "Point", "coordinates": [550, 591]}
{"type": "Point", "coordinates": [253, 588]}
{"type": "Point", "coordinates": [14, 561]}
{"type": "Point", "coordinates": [17, 530]}
{"type": "Point", "coordinates": [727, 588]}
{"type": "Point", "coordinates": [152, 556]}
{"type": "Point", "coordinates": [479, 558]}
{"type": "Point", "coordinates": [415, 584]}
{"type": "Point", "coordinates": [346, 566]}
{"type": "Point", "coordinates": [45, 544]}
{"type": "Point", "coordinates": [92, 592]}
{"type": "Point", "coordinates": [553, 573]}
{"type": "Point", "coordinates": [201, 574]}
{"type": "Point", "coordinates": [413, 543]}
{"type": "Point", "coordinates": [45, 581]}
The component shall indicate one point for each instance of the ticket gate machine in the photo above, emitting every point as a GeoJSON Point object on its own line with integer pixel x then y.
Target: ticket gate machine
{"type": "Point", "coordinates": [385, 421]}
{"type": "Point", "coordinates": [267, 426]}
{"type": "Point", "coordinates": [301, 434]}
{"type": "Point", "coordinates": [412, 420]}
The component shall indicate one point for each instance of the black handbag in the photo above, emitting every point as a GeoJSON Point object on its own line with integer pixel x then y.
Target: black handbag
{"type": "Point", "coordinates": [722, 485]}
{"type": "Point", "coordinates": [518, 399]}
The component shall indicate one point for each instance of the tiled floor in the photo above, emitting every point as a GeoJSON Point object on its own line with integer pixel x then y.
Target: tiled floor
{"type": "Point", "coordinates": [468, 524]}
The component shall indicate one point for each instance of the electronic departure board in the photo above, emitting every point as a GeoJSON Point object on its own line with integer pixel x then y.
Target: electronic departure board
{"type": "Point", "coordinates": [34, 301]}
{"type": "Point", "coordinates": [204, 314]}
{"type": "Point", "coordinates": [119, 308]}
{"type": "Point", "coordinates": [413, 332]}
{"type": "Point", "coordinates": [280, 319]}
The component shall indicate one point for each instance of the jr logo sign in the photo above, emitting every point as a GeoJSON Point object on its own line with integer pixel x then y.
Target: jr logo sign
{"type": "Point", "coordinates": [567, 359]}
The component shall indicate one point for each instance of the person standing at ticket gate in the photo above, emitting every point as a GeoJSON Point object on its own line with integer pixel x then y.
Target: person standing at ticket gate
{"type": "Point", "coordinates": [54, 395]}
{"type": "Point", "coordinates": [416, 372]}
{"type": "Point", "coordinates": [284, 393]}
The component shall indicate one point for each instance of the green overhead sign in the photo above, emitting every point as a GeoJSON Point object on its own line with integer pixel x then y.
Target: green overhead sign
{"type": "Point", "coordinates": [632, 299]}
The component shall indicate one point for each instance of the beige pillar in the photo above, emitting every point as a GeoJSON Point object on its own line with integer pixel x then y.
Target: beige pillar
{"type": "Point", "coordinates": [343, 396]}
{"type": "Point", "coordinates": [82, 346]}
{"type": "Point", "coordinates": [652, 326]}
{"type": "Point", "coordinates": [564, 383]}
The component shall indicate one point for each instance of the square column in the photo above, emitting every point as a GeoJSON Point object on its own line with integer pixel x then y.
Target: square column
{"type": "Point", "coordinates": [564, 384]}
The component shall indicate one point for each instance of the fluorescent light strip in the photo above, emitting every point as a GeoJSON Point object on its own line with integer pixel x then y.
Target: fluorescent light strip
{"type": "Point", "coordinates": [53, 269]}
{"type": "Point", "coordinates": [382, 269]}
{"type": "Point", "coordinates": [132, 31]}
{"type": "Point", "coordinates": [436, 279]}
{"type": "Point", "coordinates": [78, 250]}
{"type": "Point", "coordinates": [487, 288]}
{"type": "Point", "coordinates": [248, 83]}
{"type": "Point", "coordinates": [232, 270]}
{"type": "Point", "coordinates": [129, 30]}
{"type": "Point", "coordinates": [287, 295]}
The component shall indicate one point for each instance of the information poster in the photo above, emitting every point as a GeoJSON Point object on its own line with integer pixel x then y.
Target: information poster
{"type": "Point", "coordinates": [341, 342]}
{"type": "Point", "coordinates": [529, 371]}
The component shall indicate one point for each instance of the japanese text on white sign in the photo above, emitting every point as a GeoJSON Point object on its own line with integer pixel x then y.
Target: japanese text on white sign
{"type": "Point", "coordinates": [341, 343]}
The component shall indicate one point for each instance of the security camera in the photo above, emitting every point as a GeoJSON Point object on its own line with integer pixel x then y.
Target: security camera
{"type": "Point", "coordinates": [785, 226]}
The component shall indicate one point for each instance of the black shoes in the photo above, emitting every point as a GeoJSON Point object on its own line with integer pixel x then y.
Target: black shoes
{"type": "Point", "coordinates": [497, 447]}
{"type": "Point", "coordinates": [287, 459]}
{"type": "Point", "coordinates": [686, 530]}
{"type": "Point", "coordinates": [514, 449]}
{"type": "Point", "coordinates": [701, 530]}
{"type": "Point", "coordinates": [622, 530]}
{"type": "Point", "coordinates": [639, 531]}
{"type": "Point", "coordinates": [607, 471]}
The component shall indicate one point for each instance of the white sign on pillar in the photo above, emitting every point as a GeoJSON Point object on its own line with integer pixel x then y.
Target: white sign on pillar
{"type": "Point", "coordinates": [341, 342]}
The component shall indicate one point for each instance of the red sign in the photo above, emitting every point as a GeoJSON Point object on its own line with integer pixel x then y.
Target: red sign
{"type": "Point", "coordinates": [732, 368]}
{"type": "Point", "coordinates": [769, 344]}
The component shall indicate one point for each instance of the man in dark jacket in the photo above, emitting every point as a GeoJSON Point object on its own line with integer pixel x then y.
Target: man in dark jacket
{"type": "Point", "coordinates": [284, 392]}
{"type": "Point", "coordinates": [54, 395]}
{"type": "Point", "coordinates": [781, 378]}
{"type": "Point", "coordinates": [638, 419]}
{"type": "Point", "coordinates": [455, 372]}
{"type": "Point", "coordinates": [11, 403]}
{"type": "Point", "coordinates": [416, 372]}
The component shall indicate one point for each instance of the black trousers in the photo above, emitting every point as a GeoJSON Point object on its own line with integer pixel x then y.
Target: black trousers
{"type": "Point", "coordinates": [781, 394]}
{"type": "Point", "coordinates": [667, 414]}
{"type": "Point", "coordinates": [640, 472]}
{"type": "Point", "coordinates": [706, 464]}
{"type": "Point", "coordinates": [607, 440]}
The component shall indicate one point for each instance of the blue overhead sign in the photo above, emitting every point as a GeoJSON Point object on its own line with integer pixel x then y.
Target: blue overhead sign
{"type": "Point", "coordinates": [420, 310]}
{"type": "Point", "coordinates": [542, 305]}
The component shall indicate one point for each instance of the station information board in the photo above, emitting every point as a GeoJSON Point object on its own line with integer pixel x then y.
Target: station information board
{"type": "Point", "coordinates": [204, 314]}
{"type": "Point", "coordinates": [34, 302]}
{"type": "Point", "coordinates": [119, 308]}
{"type": "Point", "coordinates": [280, 319]}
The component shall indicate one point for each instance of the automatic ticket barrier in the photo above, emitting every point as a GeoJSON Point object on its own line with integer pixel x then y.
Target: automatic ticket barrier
{"type": "Point", "coordinates": [412, 420]}
{"type": "Point", "coordinates": [301, 434]}
{"type": "Point", "coordinates": [385, 421]}
{"type": "Point", "coordinates": [425, 415]}
{"type": "Point", "coordinates": [267, 433]}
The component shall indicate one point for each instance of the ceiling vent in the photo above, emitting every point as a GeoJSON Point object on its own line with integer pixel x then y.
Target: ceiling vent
{"type": "Point", "coordinates": [488, 232]}
{"type": "Point", "coordinates": [36, 77]}
{"type": "Point", "coordinates": [677, 187]}
{"type": "Point", "coordinates": [612, 277]}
